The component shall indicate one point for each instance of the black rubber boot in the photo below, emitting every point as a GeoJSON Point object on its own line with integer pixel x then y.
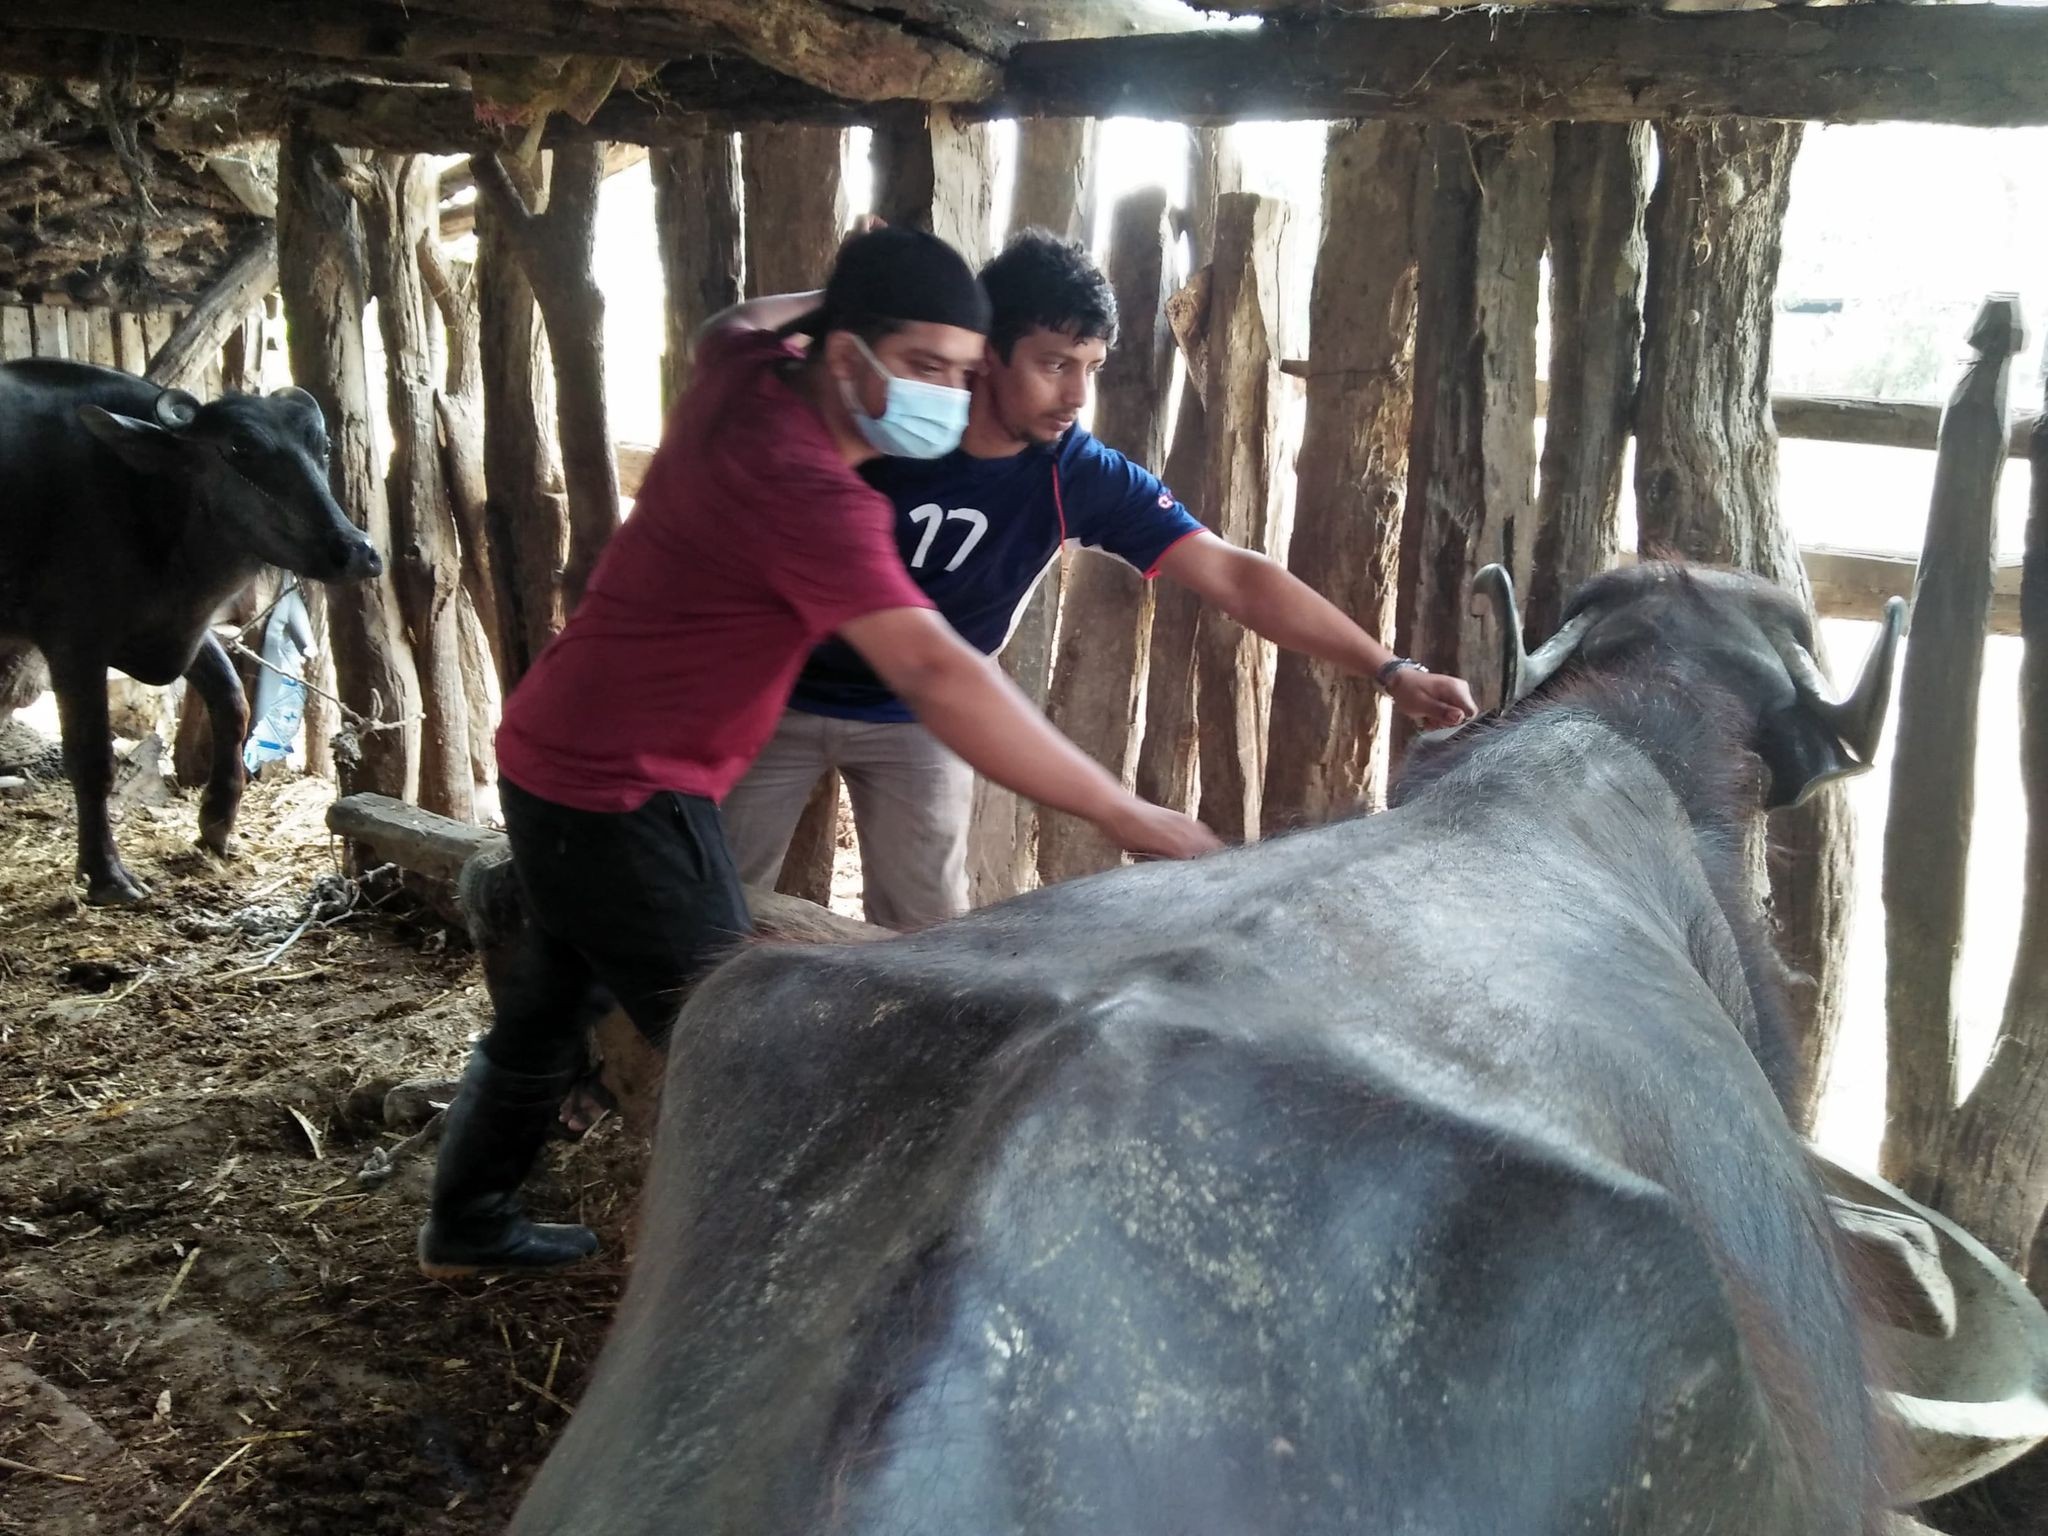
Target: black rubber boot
{"type": "Point", "coordinates": [494, 1130]}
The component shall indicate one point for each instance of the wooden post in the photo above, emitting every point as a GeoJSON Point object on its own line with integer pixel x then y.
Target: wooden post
{"type": "Point", "coordinates": [795, 219]}
{"type": "Point", "coordinates": [17, 335]}
{"type": "Point", "coordinates": [1707, 477]}
{"type": "Point", "coordinates": [1994, 1167]}
{"type": "Point", "coordinates": [796, 206]}
{"type": "Point", "coordinates": [935, 172]}
{"type": "Point", "coordinates": [1599, 185]}
{"type": "Point", "coordinates": [526, 510]}
{"type": "Point", "coordinates": [1472, 454]}
{"type": "Point", "coordinates": [900, 166]}
{"type": "Point", "coordinates": [1055, 182]}
{"type": "Point", "coordinates": [459, 411]}
{"type": "Point", "coordinates": [1054, 191]}
{"type": "Point", "coordinates": [963, 185]}
{"type": "Point", "coordinates": [697, 221]}
{"type": "Point", "coordinates": [814, 846]}
{"type": "Point", "coordinates": [1325, 747]}
{"type": "Point", "coordinates": [1934, 757]}
{"type": "Point", "coordinates": [323, 275]}
{"type": "Point", "coordinates": [401, 210]}
{"type": "Point", "coordinates": [47, 331]}
{"type": "Point", "coordinates": [1167, 755]}
{"type": "Point", "coordinates": [1099, 680]}
{"type": "Point", "coordinates": [1242, 485]}
{"type": "Point", "coordinates": [556, 245]}
{"type": "Point", "coordinates": [184, 354]}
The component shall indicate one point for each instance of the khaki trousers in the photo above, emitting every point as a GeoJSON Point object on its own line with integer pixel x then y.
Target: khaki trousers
{"type": "Point", "coordinates": [911, 802]}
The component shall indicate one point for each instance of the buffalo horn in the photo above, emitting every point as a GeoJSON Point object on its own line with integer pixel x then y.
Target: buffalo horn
{"type": "Point", "coordinates": [1858, 720]}
{"type": "Point", "coordinates": [1522, 673]}
{"type": "Point", "coordinates": [175, 410]}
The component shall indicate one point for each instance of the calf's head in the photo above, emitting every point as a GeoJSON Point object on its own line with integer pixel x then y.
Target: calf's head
{"type": "Point", "coordinates": [257, 466]}
{"type": "Point", "coordinates": [1736, 634]}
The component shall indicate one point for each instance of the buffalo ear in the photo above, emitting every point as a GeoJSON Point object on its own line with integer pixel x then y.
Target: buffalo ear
{"type": "Point", "coordinates": [1819, 738]}
{"type": "Point", "coordinates": [1802, 755]}
{"type": "Point", "coordinates": [141, 445]}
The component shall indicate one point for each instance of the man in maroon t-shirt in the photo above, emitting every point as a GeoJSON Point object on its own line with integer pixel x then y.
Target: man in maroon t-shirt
{"type": "Point", "coordinates": [751, 541]}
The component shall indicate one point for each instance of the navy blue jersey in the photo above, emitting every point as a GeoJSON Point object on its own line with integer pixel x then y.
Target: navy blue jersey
{"type": "Point", "coordinates": [977, 534]}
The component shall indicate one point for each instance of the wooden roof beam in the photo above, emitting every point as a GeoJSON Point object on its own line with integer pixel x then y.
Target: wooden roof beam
{"type": "Point", "coordinates": [1967, 64]}
{"type": "Point", "coordinates": [844, 51]}
{"type": "Point", "coordinates": [1970, 64]}
{"type": "Point", "coordinates": [374, 31]}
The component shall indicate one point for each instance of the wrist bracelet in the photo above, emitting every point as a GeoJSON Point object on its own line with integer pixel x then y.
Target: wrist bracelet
{"type": "Point", "coordinates": [1385, 676]}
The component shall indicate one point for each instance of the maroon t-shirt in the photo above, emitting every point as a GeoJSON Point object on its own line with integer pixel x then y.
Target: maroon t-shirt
{"type": "Point", "coordinates": [750, 542]}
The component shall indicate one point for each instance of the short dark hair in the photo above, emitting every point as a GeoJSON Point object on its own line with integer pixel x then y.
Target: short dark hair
{"type": "Point", "coordinates": [1042, 281]}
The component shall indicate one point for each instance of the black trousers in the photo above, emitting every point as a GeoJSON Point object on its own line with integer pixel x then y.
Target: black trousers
{"type": "Point", "coordinates": [637, 904]}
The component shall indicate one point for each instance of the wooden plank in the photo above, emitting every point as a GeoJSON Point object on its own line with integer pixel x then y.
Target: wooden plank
{"type": "Point", "coordinates": [78, 334]}
{"type": "Point", "coordinates": [100, 323]}
{"type": "Point", "coordinates": [1098, 681]}
{"type": "Point", "coordinates": [131, 348]}
{"type": "Point", "coordinates": [1855, 584]}
{"type": "Point", "coordinates": [1934, 757]}
{"type": "Point", "coordinates": [1859, 419]}
{"type": "Point", "coordinates": [1325, 745]}
{"type": "Point", "coordinates": [17, 335]}
{"type": "Point", "coordinates": [48, 331]}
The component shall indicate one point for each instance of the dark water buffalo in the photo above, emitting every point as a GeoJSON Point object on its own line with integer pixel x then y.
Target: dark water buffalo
{"type": "Point", "coordinates": [128, 515]}
{"type": "Point", "coordinates": [1425, 1173]}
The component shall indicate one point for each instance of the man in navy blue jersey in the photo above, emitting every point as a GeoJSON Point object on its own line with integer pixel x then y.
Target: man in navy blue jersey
{"type": "Point", "coordinates": [978, 528]}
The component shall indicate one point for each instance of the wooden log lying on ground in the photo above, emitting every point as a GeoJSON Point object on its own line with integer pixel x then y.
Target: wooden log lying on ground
{"type": "Point", "coordinates": [432, 852]}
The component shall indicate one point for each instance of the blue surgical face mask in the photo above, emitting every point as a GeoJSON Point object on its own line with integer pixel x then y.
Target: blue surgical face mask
{"type": "Point", "coordinates": [918, 420]}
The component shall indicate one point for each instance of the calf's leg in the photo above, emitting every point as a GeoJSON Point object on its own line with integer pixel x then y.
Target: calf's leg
{"type": "Point", "coordinates": [227, 712]}
{"type": "Point", "coordinates": [89, 761]}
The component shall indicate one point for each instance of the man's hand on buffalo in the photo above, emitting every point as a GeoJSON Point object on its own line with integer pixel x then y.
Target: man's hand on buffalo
{"type": "Point", "coordinates": [1433, 699]}
{"type": "Point", "coordinates": [1145, 829]}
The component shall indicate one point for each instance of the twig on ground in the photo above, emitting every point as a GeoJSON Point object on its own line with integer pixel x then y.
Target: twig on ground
{"type": "Point", "coordinates": [206, 1481]}
{"type": "Point", "coordinates": [8, 1463]}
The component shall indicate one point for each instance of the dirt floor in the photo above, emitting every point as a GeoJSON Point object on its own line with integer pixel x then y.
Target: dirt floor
{"type": "Point", "coordinates": [209, 1321]}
